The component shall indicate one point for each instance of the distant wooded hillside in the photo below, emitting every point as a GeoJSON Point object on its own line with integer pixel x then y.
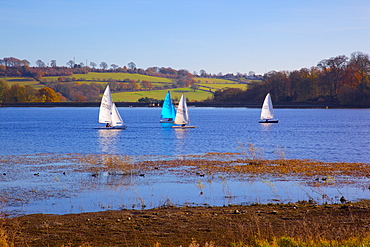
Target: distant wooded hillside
{"type": "Point", "coordinates": [338, 80]}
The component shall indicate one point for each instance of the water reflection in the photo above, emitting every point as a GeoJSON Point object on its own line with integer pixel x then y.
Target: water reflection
{"type": "Point", "coordinates": [181, 140]}
{"type": "Point", "coordinates": [266, 126]}
{"type": "Point", "coordinates": [166, 125]}
{"type": "Point", "coordinates": [66, 187]}
{"type": "Point", "coordinates": [166, 139]}
{"type": "Point", "coordinates": [173, 140]}
{"type": "Point", "coordinates": [218, 130]}
{"type": "Point", "coordinates": [108, 140]}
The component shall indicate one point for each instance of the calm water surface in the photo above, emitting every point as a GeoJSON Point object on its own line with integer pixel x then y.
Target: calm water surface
{"type": "Point", "coordinates": [321, 134]}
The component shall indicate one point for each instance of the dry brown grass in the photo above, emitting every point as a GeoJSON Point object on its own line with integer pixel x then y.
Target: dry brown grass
{"type": "Point", "coordinates": [230, 164]}
{"type": "Point", "coordinates": [3, 239]}
{"type": "Point", "coordinates": [321, 173]}
{"type": "Point", "coordinates": [114, 164]}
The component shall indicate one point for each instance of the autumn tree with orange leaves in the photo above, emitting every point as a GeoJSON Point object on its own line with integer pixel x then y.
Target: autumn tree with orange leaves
{"type": "Point", "coordinates": [337, 80]}
{"type": "Point", "coordinates": [18, 93]}
{"type": "Point", "coordinates": [46, 94]}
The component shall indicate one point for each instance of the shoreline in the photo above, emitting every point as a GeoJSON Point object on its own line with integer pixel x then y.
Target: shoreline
{"type": "Point", "coordinates": [190, 104]}
{"type": "Point", "coordinates": [201, 178]}
{"type": "Point", "coordinates": [206, 226]}
{"type": "Point", "coordinates": [171, 225]}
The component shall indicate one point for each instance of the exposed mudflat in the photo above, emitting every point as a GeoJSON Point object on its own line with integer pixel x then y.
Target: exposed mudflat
{"type": "Point", "coordinates": [173, 226]}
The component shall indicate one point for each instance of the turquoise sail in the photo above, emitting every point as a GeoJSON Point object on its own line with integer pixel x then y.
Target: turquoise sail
{"type": "Point", "coordinates": [168, 110]}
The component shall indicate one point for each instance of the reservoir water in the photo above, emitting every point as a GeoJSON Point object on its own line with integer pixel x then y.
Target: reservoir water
{"type": "Point", "coordinates": [330, 135]}
{"type": "Point", "coordinates": [322, 134]}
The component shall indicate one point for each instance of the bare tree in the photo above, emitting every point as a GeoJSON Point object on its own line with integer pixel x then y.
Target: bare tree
{"type": "Point", "coordinates": [333, 69]}
{"type": "Point", "coordinates": [362, 62]}
{"type": "Point", "coordinates": [131, 65]}
{"type": "Point", "coordinates": [103, 65]}
{"type": "Point", "coordinates": [53, 63]}
{"type": "Point", "coordinates": [11, 62]}
{"type": "Point", "coordinates": [92, 64]}
{"type": "Point", "coordinates": [71, 63]}
{"type": "Point", "coordinates": [40, 64]}
{"type": "Point", "coordinates": [114, 66]}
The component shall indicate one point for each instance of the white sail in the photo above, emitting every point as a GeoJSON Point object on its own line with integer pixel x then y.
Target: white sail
{"type": "Point", "coordinates": [108, 113]}
{"type": "Point", "coordinates": [267, 111]}
{"type": "Point", "coordinates": [182, 116]}
{"type": "Point", "coordinates": [116, 117]}
{"type": "Point", "coordinates": [106, 107]}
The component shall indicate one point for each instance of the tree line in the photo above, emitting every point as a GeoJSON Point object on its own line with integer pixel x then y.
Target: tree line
{"type": "Point", "coordinates": [14, 67]}
{"type": "Point", "coordinates": [10, 66]}
{"type": "Point", "coordinates": [337, 80]}
{"type": "Point", "coordinates": [71, 90]}
{"type": "Point", "coordinates": [67, 87]}
{"type": "Point", "coordinates": [19, 93]}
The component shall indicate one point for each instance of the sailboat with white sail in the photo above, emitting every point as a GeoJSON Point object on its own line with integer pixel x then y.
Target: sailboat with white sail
{"type": "Point", "coordinates": [168, 110]}
{"type": "Point", "coordinates": [267, 112]}
{"type": "Point", "coordinates": [182, 115]}
{"type": "Point", "coordinates": [108, 113]}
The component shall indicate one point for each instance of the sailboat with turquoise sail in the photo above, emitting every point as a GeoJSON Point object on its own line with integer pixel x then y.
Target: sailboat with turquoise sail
{"type": "Point", "coordinates": [182, 115]}
{"type": "Point", "coordinates": [108, 112]}
{"type": "Point", "coordinates": [267, 112]}
{"type": "Point", "coordinates": [168, 110]}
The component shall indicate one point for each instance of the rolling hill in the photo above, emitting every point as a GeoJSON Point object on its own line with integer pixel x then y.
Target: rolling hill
{"type": "Point", "coordinates": [206, 86]}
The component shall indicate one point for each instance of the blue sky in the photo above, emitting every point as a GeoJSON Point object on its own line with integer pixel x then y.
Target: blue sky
{"type": "Point", "coordinates": [227, 36]}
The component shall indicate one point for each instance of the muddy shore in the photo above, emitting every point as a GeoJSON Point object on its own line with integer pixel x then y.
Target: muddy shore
{"type": "Point", "coordinates": [172, 226]}
{"type": "Point", "coordinates": [189, 226]}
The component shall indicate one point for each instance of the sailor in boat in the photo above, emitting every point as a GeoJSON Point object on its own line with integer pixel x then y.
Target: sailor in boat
{"type": "Point", "coordinates": [108, 125]}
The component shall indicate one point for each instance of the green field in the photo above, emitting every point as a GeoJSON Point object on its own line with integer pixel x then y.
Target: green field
{"type": "Point", "coordinates": [104, 83]}
{"type": "Point", "coordinates": [213, 81]}
{"type": "Point", "coordinates": [207, 85]}
{"type": "Point", "coordinates": [22, 81]}
{"type": "Point", "coordinates": [215, 87]}
{"type": "Point", "coordinates": [114, 76]}
{"type": "Point", "coordinates": [160, 94]}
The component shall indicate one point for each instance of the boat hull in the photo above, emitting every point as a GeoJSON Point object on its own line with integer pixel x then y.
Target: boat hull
{"type": "Point", "coordinates": [184, 127]}
{"type": "Point", "coordinates": [268, 121]}
{"type": "Point", "coordinates": [111, 128]}
{"type": "Point", "coordinates": [165, 121]}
